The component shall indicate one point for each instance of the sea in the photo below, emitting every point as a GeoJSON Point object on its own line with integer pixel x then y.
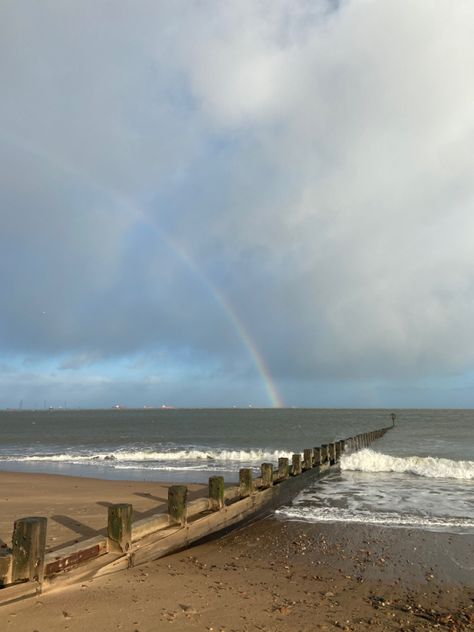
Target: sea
{"type": "Point", "coordinates": [420, 474]}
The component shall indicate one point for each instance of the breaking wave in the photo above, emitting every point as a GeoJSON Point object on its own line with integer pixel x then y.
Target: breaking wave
{"type": "Point", "coordinates": [338, 514]}
{"type": "Point", "coordinates": [143, 456]}
{"type": "Point", "coordinates": [430, 467]}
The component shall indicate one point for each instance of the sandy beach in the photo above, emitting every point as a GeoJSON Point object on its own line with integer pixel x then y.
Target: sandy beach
{"type": "Point", "coordinates": [76, 507]}
{"type": "Point", "coordinates": [271, 575]}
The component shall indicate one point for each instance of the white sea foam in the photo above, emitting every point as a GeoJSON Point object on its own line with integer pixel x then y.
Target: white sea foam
{"type": "Point", "coordinates": [338, 514]}
{"type": "Point", "coordinates": [144, 456]}
{"type": "Point", "coordinates": [430, 467]}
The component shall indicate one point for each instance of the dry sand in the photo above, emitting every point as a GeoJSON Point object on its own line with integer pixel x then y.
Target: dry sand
{"type": "Point", "coordinates": [269, 576]}
{"type": "Point", "coordinates": [76, 507]}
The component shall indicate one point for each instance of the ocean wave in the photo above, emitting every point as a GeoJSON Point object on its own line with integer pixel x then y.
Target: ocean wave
{"type": "Point", "coordinates": [338, 514]}
{"type": "Point", "coordinates": [430, 467]}
{"type": "Point", "coordinates": [143, 455]}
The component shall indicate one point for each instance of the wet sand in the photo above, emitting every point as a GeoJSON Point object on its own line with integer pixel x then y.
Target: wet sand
{"type": "Point", "coordinates": [274, 575]}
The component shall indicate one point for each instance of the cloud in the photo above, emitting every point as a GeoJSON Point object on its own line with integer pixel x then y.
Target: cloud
{"type": "Point", "coordinates": [179, 173]}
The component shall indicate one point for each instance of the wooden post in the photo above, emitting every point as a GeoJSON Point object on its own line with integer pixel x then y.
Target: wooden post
{"type": "Point", "coordinates": [28, 549]}
{"type": "Point", "coordinates": [283, 467]}
{"type": "Point", "coordinates": [246, 482]}
{"type": "Point", "coordinates": [119, 526]}
{"type": "Point", "coordinates": [337, 450]}
{"type": "Point", "coordinates": [324, 453]}
{"type": "Point", "coordinates": [307, 458]}
{"type": "Point", "coordinates": [296, 466]}
{"type": "Point", "coordinates": [267, 475]}
{"type": "Point", "coordinates": [5, 564]}
{"type": "Point", "coordinates": [216, 492]}
{"type": "Point", "coordinates": [316, 457]}
{"type": "Point", "coordinates": [177, 504]}
{"type": "Point", "coordinates": [332, 453]}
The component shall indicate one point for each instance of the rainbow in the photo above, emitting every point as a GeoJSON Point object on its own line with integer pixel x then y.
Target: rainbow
{"type": "Point", "coordinates": [273, 395]}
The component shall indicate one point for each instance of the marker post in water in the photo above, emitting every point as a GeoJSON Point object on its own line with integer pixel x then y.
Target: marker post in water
{"type": "Point", "coordinates": [393, 416]}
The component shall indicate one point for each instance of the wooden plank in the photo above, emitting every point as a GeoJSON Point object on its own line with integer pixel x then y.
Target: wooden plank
{"type": "Point", "coordinates": [197, 506]}
{"type": "Point", "coordinates": [75, 554]}
{"type": "Point", "coordinates": [82, 572]}
{"type": "Point", "coordinates": [231, 493]}
{"type": "Point", "coordinates": [145, 526]}
{"type": "Point", "coordinates": [17, 592]}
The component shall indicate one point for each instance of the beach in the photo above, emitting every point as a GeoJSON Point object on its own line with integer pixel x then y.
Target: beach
{"type": "Point", "coordinates": [76, 507]}
{"type": "Point", "coordinates": [271, 575]}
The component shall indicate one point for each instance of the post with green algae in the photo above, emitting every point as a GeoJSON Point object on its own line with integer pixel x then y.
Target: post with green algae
{"type": "Point", "coordinates": [296, 465]}
{"type": "Point", "coordinates": [216, 492]}
{"type": "Point", "coordinates": [283, 467]}
{"type": "Point", "coordinates": [28, 549]}
{"type": "Point", "coordinates": [316, 456]}
{"type": "Point", "coordinates": [324, 453]}
{"type": "Point", "coordinates": [245, 481]}
{"type": "Point", "coordinates": [177, 504]}
{"type": "Point", "coordinates": [307, 458]}
{"type": "Point", "coordinates": [119, 526]}
{"type": "Point", "coordinates": [267, 475]}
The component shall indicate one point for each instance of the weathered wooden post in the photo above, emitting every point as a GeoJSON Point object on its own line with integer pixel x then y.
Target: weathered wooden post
{"type": "Point", "coordinates": [332, 453]}
{"type": "Point", "coordinates": [267, 474]}
{"type": "Point", "coordinates": [177, 504]}
{"type": "Point", "coordinates": [317, 457]}
{"type": "Point", "coordinates": [245, 481]}
{"type": "Point", "coordinates": [216, 492]}
{"type": "Point", "coordinates": [337, 450]}
{"type": "Point", "coordinates": [28, 549]}
{"type": "Point", "coordinates": [296, 466]}
{"type": "Point", "coordinates": [5, 563]}
{"type": "Point", "coordinates": [283, 467]}
{"type": "Point", "coordinates": [324, 453]}
{"type": "Point", "coordinates": [307, 458]}
{"type": "Point", "coordinates": [119, 526]}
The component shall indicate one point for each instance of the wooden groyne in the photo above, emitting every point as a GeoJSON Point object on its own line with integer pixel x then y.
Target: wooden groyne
{"type": "Point", "coordinates": [27, 569]}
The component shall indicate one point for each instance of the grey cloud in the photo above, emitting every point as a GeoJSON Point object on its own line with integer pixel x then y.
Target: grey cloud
{"type": "Point", "coordinates": [307, 164]}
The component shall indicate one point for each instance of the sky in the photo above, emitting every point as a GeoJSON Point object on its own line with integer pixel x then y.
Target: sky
{"type": "Point", "coordinates": [252, 202]}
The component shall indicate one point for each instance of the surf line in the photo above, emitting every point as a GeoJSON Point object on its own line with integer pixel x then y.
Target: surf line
{"type": "Point", "coordinates": [220, 299]}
